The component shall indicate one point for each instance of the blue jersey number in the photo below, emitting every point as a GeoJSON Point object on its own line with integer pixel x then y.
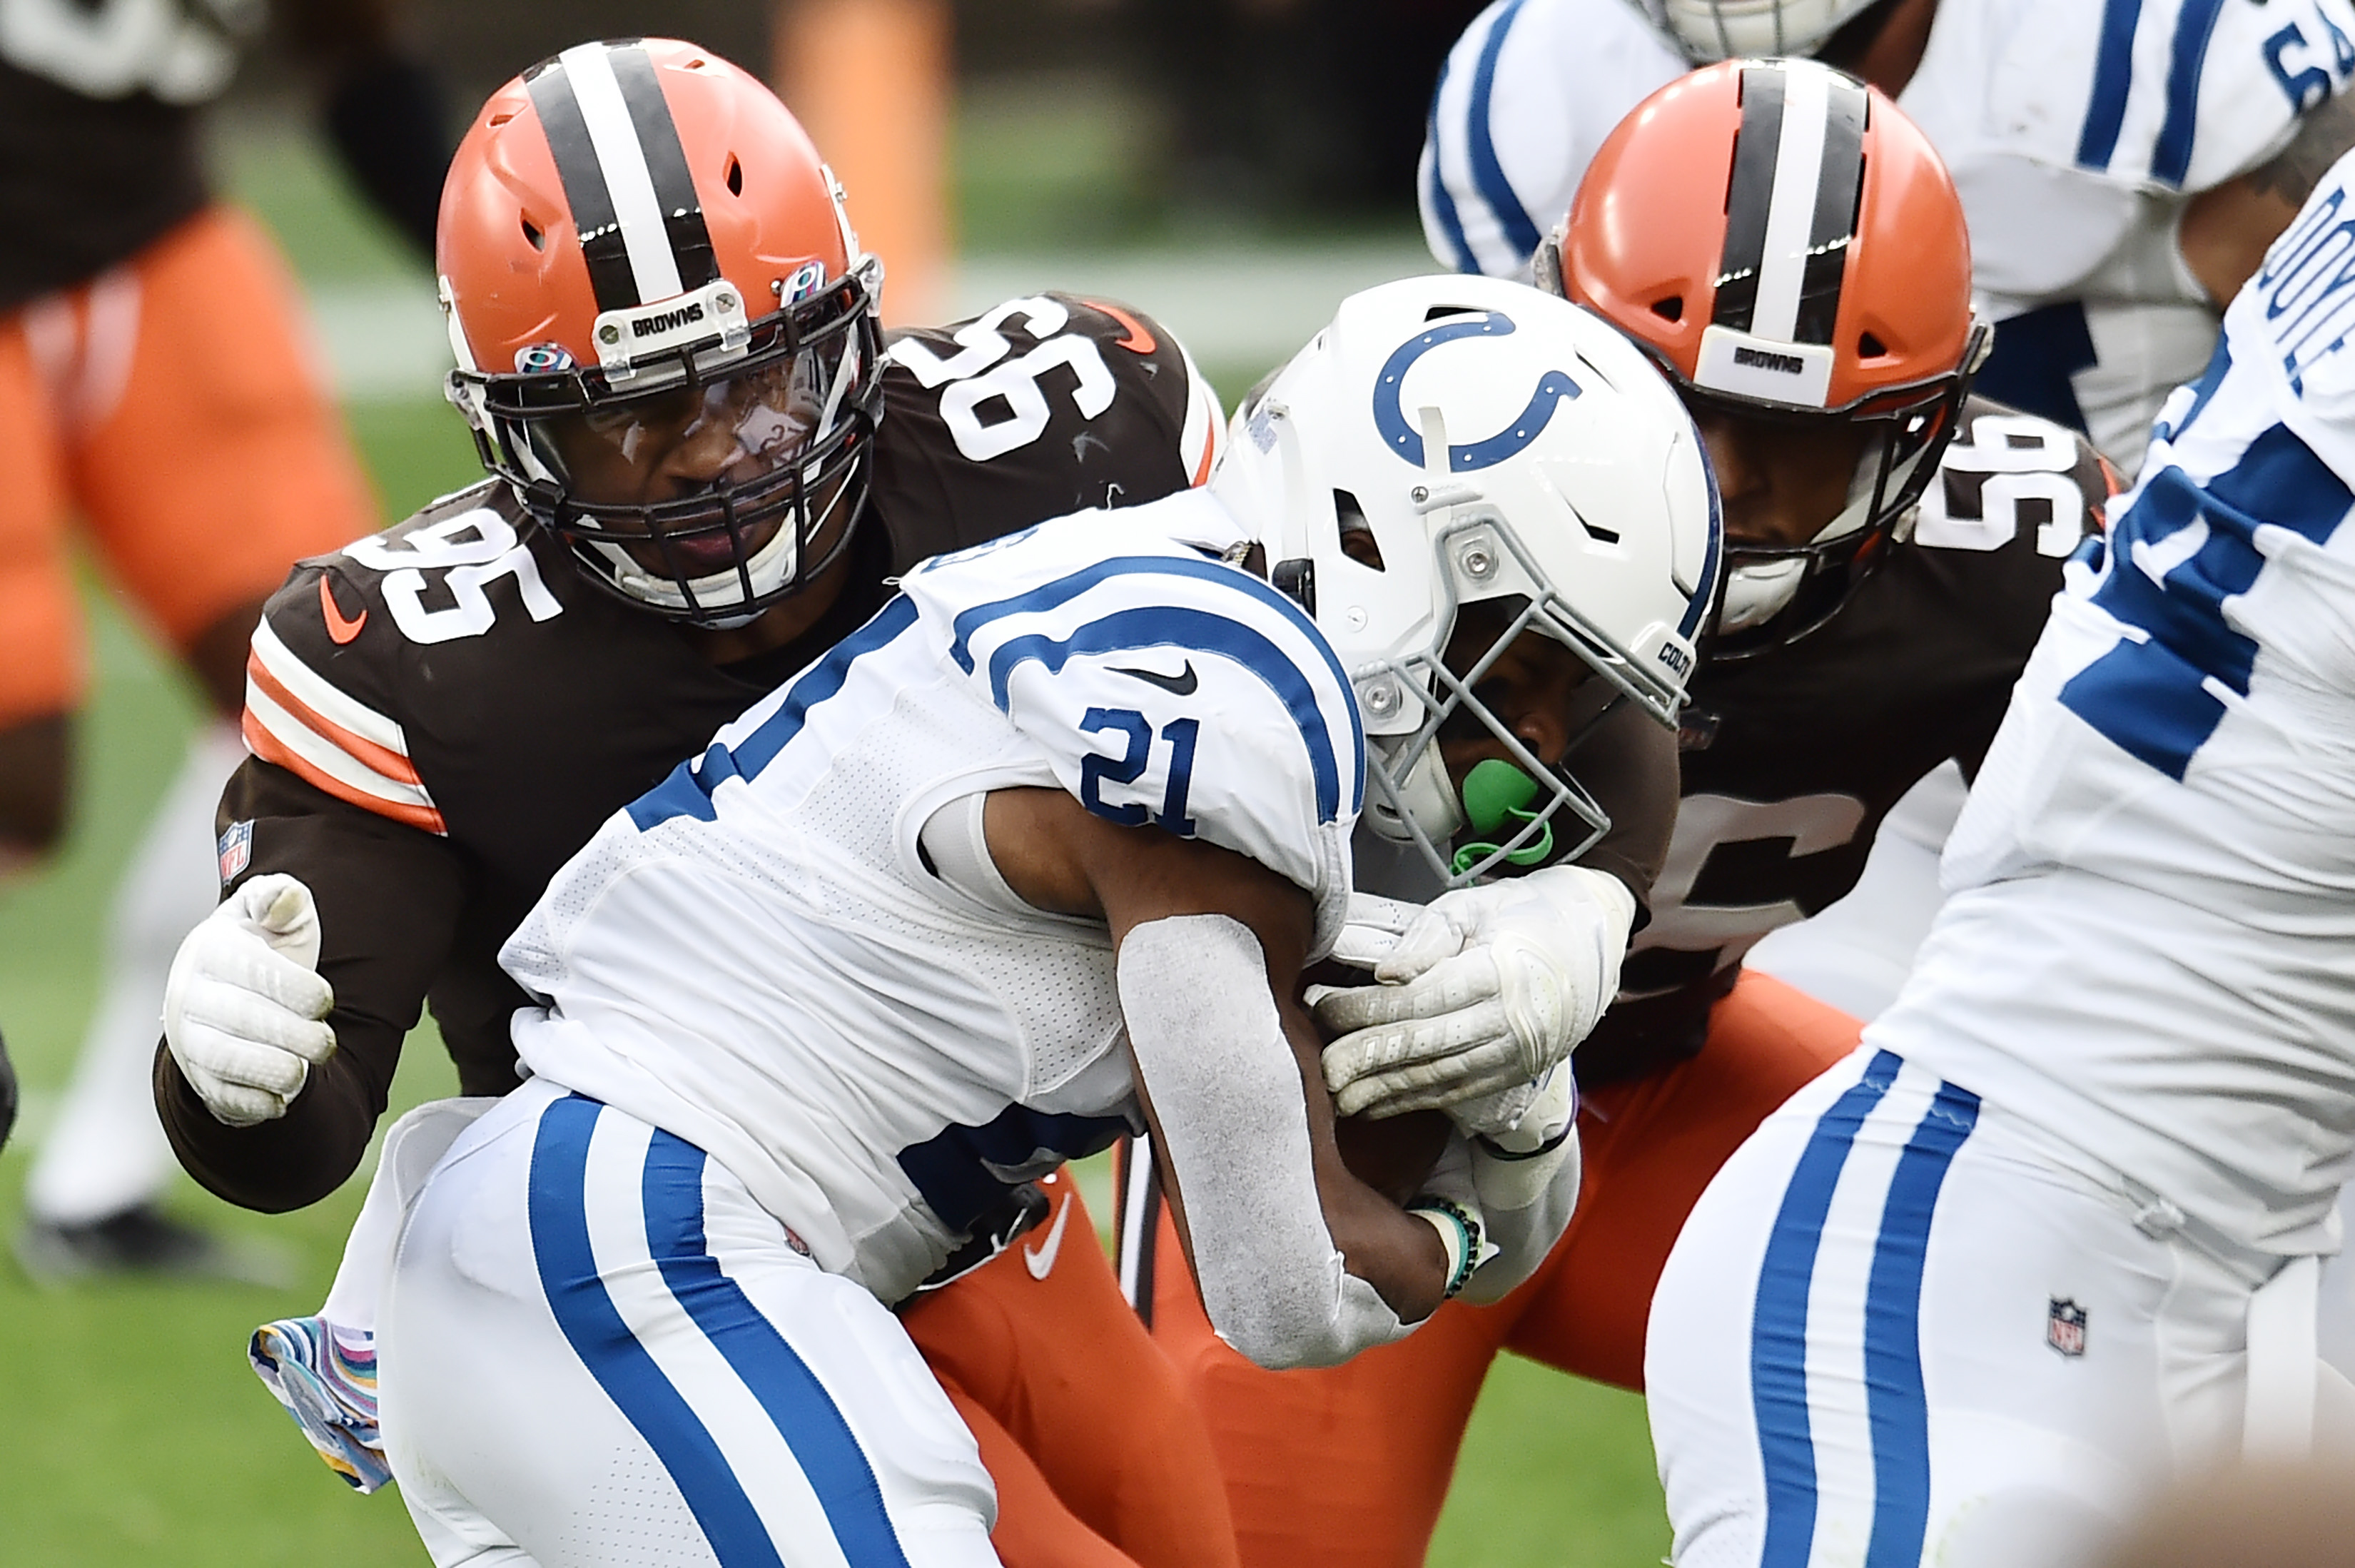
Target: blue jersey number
{"type": "Point", "coordinates": [2303, 79]}
{"type": "Point", "coordinates": [2173, 560]}
{"type": "Point", "coordinates": [1097, 768]}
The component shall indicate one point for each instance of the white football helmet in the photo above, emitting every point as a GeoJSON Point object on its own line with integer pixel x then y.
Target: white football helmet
{"type": "Point", "coordinates": [1707, 30]}
{"type": "Point", "coordinates": [1471, 439]}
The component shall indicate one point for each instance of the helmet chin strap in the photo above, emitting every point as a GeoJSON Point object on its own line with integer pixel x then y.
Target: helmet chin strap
{"type": "Point", "coordinates": [1754, 594]}
{"type": "Point", "coordinates": [1863, 490]}
{"type": "Point", "coordinates": [1757, 591]}
{"type": "Point", "coordinates": [1426, 797]}
{"type": "Point", "coordinates": [716, 589]}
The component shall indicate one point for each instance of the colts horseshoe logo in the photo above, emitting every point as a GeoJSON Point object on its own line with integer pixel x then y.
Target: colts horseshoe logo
{"type": "Point", "coordinates": [1554, 388]}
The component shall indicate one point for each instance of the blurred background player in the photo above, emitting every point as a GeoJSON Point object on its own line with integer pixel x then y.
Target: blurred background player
{"type": "Point", "coordinates": [2123, 167]}
{"type": "Point", "coordinates": [705, 465]}
{"type": "Point", "coordinates": [1892, 543]}
{"type": "Point", "coordinates": [8, 1094]}
{"type": "Point", "coordinates": [2048, 1241]}
{"type": "Point", "coordinates": [157, 382]}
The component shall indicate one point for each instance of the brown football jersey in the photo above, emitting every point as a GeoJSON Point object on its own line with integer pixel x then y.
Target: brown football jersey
{"type": "Point", "coordinates": [444, 713]}
{"type": "Point", "coordinates": [1791, 758]}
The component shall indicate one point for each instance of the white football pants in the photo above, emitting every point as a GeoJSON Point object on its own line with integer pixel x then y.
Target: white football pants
{"type": "Point", "coordinates": [1898, 1329]}
{"type": "Point", "coordinates": [596, 1349]}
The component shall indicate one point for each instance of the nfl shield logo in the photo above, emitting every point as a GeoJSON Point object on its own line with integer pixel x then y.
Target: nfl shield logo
{"type": "Point", "coordinates": [2064, 1326]}
{"type": "Point", "coordinates": [236, 850]}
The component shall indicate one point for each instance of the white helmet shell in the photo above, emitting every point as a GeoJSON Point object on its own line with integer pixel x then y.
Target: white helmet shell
{"type": "Point", "coordinates": [1495, 442]}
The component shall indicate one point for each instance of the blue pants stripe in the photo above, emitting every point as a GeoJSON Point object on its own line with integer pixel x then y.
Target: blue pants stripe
{"type": "Point", "coordinates": [568, 1274]}
{"type": "Point", "coordinates": [1896, 1403]}
{"type": "Point", "coordinates": [1778, 1330]}
{"type": "Point", "coordinates": [806, 1416]}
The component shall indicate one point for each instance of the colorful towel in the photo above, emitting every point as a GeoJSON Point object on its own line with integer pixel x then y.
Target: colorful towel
{"type": "Point", "coordinates": [324, 1375]}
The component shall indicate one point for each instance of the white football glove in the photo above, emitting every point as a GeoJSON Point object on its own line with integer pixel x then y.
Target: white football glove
{"type": "Point", "coordinates": [1487, 991]}
{"type": "Point", "coordinates": [243, 1006]}
{"type": "Point", "coordinates": [1513, 1165]}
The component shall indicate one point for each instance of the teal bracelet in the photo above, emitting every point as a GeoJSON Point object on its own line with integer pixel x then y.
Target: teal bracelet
{"type": "Point", "coordinates": [1465, 1255]}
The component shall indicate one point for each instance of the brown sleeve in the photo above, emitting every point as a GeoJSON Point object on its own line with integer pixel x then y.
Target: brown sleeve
{"type": "Point", "coordinates": [1628, 763]}
{"type": "Point", "coordinates": [388, 898]}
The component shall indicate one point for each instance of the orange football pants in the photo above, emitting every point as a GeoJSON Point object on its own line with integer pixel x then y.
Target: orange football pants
{"type": "Point", "coordinates": [171, 403]}
{"type": "Point", "coordinates": [1349, 1464]}
{"type": "Point", "coordinates": [1100, 1459]}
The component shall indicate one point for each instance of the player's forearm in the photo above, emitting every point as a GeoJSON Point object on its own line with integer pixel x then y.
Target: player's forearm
{"type": "Point", "coordinates": [381, 900]}
{"type": "Point", "coordinates": [1258, 1197]}
{"type": "Point", "coordinates": [286, 1163]}
{"type": "Point", "coordinates": [1397, 1255]}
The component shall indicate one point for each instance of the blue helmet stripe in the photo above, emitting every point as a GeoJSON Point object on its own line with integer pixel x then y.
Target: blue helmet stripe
{"type": "Point", "coordinates": [1712, 546]}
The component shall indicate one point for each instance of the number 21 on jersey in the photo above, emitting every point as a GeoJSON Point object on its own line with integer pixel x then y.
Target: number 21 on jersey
{"type": "Point", "coordinates": [1098, 769]}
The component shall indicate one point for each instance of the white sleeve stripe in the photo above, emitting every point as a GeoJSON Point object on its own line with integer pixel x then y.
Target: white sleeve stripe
{"type": "Point", "coordinates": [307, 686]}
{"type": "Point", "coordinates": [327, 757]}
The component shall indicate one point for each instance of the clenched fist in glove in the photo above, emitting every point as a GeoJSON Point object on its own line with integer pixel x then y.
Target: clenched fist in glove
{"type": "Point", "coordinates": [1485, 991]}
{"type": "Point", "coordinates": [243, 1006]}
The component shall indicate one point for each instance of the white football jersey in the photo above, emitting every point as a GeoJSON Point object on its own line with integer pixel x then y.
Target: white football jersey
{"type": "Point", "coordinates": [2075, 130]}
{"type": "Point", "coordinates": [2150, 948]}
{"type": "Point", "coordinates": [756, 957]}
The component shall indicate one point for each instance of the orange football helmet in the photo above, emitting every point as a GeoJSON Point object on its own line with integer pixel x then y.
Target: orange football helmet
{"type": "Point", "coordinates": [1787, 245]}
{"type": "Point", "coordinates": [665, 331]}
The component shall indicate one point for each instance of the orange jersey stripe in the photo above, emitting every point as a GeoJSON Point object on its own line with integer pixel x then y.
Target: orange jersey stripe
{"type": "Point", "coordinates": [378, 759]}
{"type": "Point", "coordinates": [271, 749]}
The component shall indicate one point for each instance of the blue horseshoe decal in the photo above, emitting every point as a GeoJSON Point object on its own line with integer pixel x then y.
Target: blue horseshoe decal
{"type": "Point", "coordinates": [1554, 388]}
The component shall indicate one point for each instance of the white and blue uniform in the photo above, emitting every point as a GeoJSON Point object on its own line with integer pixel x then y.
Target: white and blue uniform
{"type": "Point", "coordinates": [1997, 1272]}
{"type": "Point", "coordinates": [785, 1068]}
{"type": "Point", "coordinates": [2075, 133]}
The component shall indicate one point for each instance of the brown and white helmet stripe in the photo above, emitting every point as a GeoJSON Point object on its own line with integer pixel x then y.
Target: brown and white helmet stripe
{"type": "Point", "coordinates": [624, 174]}
{"type": "Point", "coordinates": [1791, 215]}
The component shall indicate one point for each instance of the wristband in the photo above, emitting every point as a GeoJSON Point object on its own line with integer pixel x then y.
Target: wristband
{"type": "Point", "coordinates": [1495, 1150]}
{"type": "Point", "coordinates": [1461, 1234]}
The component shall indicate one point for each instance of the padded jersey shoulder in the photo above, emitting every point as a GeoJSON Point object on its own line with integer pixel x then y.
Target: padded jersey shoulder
{"type": "Point", "coordinates": [455, 673]}
{"type": "Point", "coordinates": [1044, 404]}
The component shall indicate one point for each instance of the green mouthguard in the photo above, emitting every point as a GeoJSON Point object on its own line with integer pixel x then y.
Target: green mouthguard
{"type": "Point", "coordinates": [1496, 797]}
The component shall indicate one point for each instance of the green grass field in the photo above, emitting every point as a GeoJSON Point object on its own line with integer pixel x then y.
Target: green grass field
{"type": "Point", "coordinates": [135, 1433]}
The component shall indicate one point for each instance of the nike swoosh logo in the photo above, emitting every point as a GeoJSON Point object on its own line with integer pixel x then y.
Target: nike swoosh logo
{"type": "Point", "coordinates": [1040, 1261]}
{"type": "Point", "coordinates": [1181, 685]}
{"type": "Point", "coordinates": [1136, 340]}
{"type": "Point", "coordinates": [342, 629]}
